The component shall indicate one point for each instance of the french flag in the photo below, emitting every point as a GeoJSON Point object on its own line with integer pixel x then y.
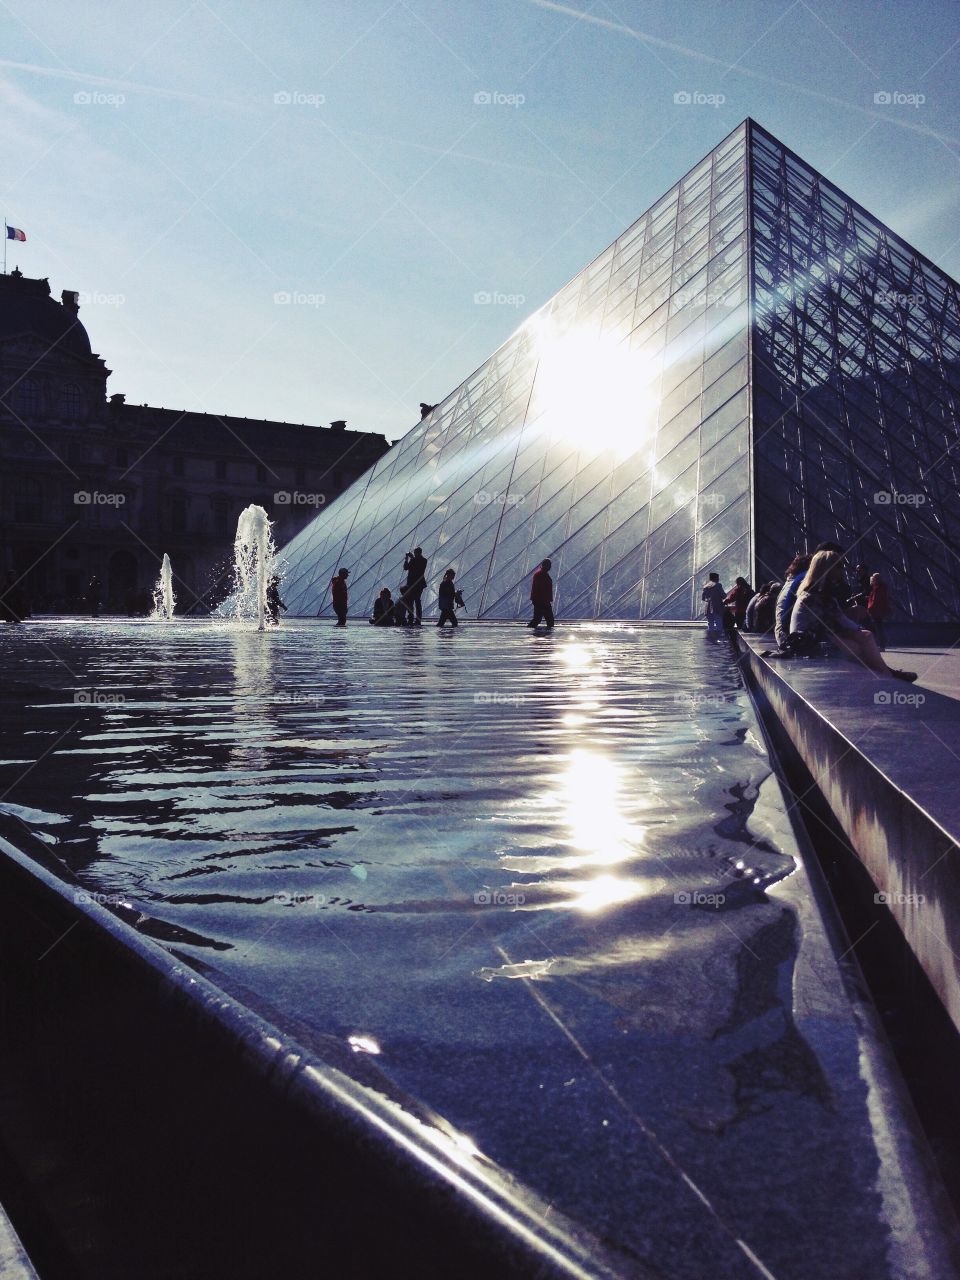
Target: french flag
{"type": "Point", "coordinates": [14, 233]}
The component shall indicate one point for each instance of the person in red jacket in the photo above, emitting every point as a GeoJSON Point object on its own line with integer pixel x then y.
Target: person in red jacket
{"type": "Point", "coordinates": [878, 607]}
{"type": "Point", "coordinates": [541, 595]}
{"type": "Point", "coordinates": [338, 594]}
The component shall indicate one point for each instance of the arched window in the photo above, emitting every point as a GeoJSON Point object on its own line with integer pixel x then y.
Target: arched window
{"type": "Point", "coordinates": [70, 402]}
{"type": "Point", "coordinates": [27, 397]}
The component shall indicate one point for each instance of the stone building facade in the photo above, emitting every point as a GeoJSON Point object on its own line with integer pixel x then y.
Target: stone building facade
{"type": "Point", "coordinates": [93, 485]}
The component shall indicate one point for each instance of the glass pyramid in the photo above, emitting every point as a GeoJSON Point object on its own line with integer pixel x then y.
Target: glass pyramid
{"type": "Point", "coordinates": [754, 366]}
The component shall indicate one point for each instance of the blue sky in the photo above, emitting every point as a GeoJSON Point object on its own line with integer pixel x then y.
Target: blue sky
{"type": "Point", "coordinates": [288, 210]}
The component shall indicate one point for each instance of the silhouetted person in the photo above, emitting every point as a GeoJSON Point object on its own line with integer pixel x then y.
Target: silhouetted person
{"type": "Point", "coordinates": [338, 595]}
{"type": "Point", "coordinates": [448, 597]}
{"type": "Point", "coordinates": [541, 595]}
{"type": "Point", "coordinates": [712, 596]}
{"type": "Point", "coordinates": [402, 612]}
{"type": "Point", "coordinates": [13, 601]}
{"type": "Point", "coordinates": [383, 613]}
{"type": "Point", "coordinates": [274, 603]}
{"type": "Point", "coordinates": [426, 409]}
{"type": "Point", "coordinates": [737, 599]}
{"type": "Point", "coordinates": [879, 608]}
{"type": "Point", "coordinates": [415, 563]}
{"type": "Point", "coordinates": [94, 596]}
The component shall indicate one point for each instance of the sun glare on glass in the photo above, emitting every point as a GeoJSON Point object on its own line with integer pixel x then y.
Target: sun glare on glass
{"type": "Point", "coordinates": [594, 391]}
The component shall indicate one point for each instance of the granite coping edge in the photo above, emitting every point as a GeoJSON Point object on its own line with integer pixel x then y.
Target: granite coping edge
{"type": "Point", "coordinates": [906, 1161]}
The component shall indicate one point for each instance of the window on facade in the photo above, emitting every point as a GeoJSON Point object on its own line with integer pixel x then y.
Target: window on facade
{"type": "Point", "coordinates": [123, 457]}
{"type": "Point", "coordinates": [70, 402]}
{"type": "Point", "coordinates": [28, 503]}
{"type": "Point", "coordinates": [178, 466]}
{"type": "Point", "coordinates": [261, 473]}
{"type": "Point", "coordinates": [27, 397]}
{"type": "Point", "coordinates": [221, 514]}
{"type": "Point", "coordinates": [178, 514]}
{"type": "Point", "coordinates": [220, 469]}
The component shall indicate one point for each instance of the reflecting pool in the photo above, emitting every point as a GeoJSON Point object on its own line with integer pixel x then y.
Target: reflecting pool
{"type": "Point", "coordinates": [544, 879]}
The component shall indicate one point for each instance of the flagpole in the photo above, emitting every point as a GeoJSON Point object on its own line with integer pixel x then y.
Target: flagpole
{"type": "Point", "coordinates": [4, 244]}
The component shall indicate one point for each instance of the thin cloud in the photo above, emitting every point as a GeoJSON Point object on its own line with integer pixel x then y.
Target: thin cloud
{"type": "Point", "coordinates": [645, 38]}
{"type": "Point", "coordinates": [106, 82]}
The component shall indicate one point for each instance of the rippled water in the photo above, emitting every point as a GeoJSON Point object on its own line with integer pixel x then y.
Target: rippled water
{"type": "Point", "coordinates": [525, 869]}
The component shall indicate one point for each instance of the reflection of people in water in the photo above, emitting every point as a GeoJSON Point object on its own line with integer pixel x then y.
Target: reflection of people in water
{"type": "Point", "coordinates": [94, 596]}
{"type": "Point", "coordinates": [274, 603]}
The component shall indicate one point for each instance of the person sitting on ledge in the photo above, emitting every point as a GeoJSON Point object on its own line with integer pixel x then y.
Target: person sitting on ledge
{"type": "Point", "coordinates": [793, 575]}
{"type": "Point", "coordinates": [383, 612]}
{"type": "Point", "coordinates": [759, 615]}
{"type": "Point", "coordinates": [818, 609]}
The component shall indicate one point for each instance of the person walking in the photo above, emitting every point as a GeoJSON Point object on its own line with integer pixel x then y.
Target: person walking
{"type": "Point", "coordinates": [415, 563]}
{"type": "Point", "coordinates": [713, 596]}
{"type": "Point", "coordinates": [274, 603]}
{"type": "Point", "coordinates": [541, 595]}
{"type": "Point", "coordinates": [448, 597]}
{"type": "Point", "coordinates": [879, 609]}
{"type": "Point", "coordinates": [338, 595]}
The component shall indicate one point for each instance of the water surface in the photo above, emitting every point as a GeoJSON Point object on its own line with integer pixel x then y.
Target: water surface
{"type": "Point", "coordinates": [533, 874]}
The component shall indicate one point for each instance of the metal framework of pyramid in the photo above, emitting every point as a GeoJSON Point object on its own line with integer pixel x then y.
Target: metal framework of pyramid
{"type": "Point", "coordinates": [754, 366]}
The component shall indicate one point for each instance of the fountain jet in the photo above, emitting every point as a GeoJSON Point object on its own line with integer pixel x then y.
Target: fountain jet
{"type": "Point", "coordinates": [163, 597]}
{"type": "Point", "coordinates": [253, 555]}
